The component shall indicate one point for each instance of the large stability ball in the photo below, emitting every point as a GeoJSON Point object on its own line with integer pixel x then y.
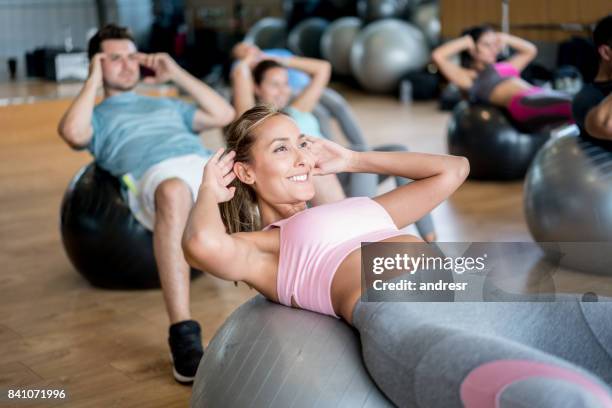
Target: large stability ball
{"type": "Point", "coordinates": [495, 148]}
{"type": "Point", "coordinates": [267, 355]}
{"type": "Point", "coordinates": [305, 38]}
{"type": "Point", "coordinates": [269, 32]}
{"type": "Point", "coordinates": [103, 240]}
{"type": "Point", "coordinates": [384, 51]}
{"type": "Point", "coordinates": [568, 201]}
{"type": "Point", "coordinates": [427, 17]}
{"type": "Point", "coordinates": [337, 41]}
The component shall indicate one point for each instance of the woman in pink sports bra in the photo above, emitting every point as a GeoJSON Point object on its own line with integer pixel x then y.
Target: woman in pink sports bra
{"type": "Point", "coordinates": [251, 223]}
{"type": "Point", "coordinates": [271, 167]}
{"type": "Point", "coordinates": [499, 83]}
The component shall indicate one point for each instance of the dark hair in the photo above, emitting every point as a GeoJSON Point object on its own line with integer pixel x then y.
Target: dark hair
{"type": "Point", "coordinates": [108, 32]}
{"type": "Point", "coordinates": [602, 35]}
{"type": "Point", "coordinates": [260, 69]}
{"type": "Point", "coordinates": [475, 32]}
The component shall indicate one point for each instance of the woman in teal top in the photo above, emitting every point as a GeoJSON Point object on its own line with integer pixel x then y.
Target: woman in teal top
{"type": "Point", "coordinates": [268, 83]}
{"type": "Point", "coordinates": [258, 77]}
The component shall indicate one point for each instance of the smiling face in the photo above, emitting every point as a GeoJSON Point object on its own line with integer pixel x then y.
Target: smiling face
{"type": "Point", "coordinates": [280, 166]}
{"type": "Point", "coordinates": [274, 87]}
{"type": "Point", "coordinates": [120, 67]}
{"type": "Point", "coordinates": [487, 48]}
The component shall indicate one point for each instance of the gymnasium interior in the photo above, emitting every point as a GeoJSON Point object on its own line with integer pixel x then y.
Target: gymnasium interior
{"type": "Point", "coordinates": [86, 312]}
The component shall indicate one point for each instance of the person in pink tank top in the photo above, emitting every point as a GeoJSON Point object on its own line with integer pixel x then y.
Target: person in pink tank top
{"type": "Point", "coordinates": [499, 83]}
{"type": "Point", "coordinates": [251, 223]}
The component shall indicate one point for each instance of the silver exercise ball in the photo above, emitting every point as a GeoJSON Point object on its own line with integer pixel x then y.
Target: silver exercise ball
{"type": "Point", "coordinates": [267, 355]}
{"type": "Point", "coordinates": [427, 18]}
{"type": "Point", "coordinates": [269, 32]}
{"type": "Point", "coordinates": [305, 38]}
{"type": "Point", "coordinates": [384, 51]}
{"type": "Point", "coordinates": [337, 41]}
{"type": "Point", "coordinates": [568, 202]}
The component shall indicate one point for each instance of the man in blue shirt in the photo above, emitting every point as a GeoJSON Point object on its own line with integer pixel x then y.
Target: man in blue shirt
{"type": "Point", "coordinates": [152, 145]}
{"type": "Point", "coordinates": [592, 106]}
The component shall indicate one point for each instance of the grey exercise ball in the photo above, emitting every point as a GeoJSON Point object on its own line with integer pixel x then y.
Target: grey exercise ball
{"type": "Point", "coordinates": [337, 41]}
{"type": "Point", "coordinates": [371, 10]}
{"type": "Point", "coordinates": [427, 18]}
{"type": "Point", "coordinates": [384, 51]}
{"type": "Point", "coordinates": [269, 32]}
{"type": "Point", "coordinates": [305, 38]}
{"type": "Point", "coordinates": [568, 202]}
{"type": "Point", "coordinates": [267, 355]}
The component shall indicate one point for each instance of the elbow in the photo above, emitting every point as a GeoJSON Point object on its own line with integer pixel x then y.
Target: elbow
{"type": "Point", "coordinates": [533, 51]}
{"type": "Point", "coordinates": [70, 136]}
{"type": "Point", "coordinates": [599, 125]}
{"type": "Point", "coordinates": [228, 115]}
{"type": "Point", "coordinates": [436, 57]}
{"type": "Point", "coordinates": [461, 169]}
{"type": "Point", "coordinates": [325, 69]}
{"type": "Point", "coordinates": [197, 249]}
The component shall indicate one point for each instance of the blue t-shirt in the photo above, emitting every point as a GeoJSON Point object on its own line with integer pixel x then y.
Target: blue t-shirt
{"type": "Point", "coordinates": [589, 97]}
{"type": "Point", "coordinates": [133, 132]}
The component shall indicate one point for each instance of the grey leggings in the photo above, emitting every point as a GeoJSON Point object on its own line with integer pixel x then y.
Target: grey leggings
{"type": "Point", "coordinates": [333, 105]}
{"type": "Point", "coordinates": [419, 354]}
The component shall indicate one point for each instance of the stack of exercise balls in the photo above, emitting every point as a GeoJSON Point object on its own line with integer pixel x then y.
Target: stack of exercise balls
{"type": "Point", "coordinates": [389, 40]}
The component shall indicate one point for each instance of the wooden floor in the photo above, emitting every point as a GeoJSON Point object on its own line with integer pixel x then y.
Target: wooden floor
{"type": "Point", "coordinates": [108, 348]}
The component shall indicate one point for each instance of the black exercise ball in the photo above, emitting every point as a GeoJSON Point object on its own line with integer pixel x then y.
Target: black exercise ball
{"type": "Point", "coordinates": [450, 96]}
{"type": "Point", "coordinates": [103, 240]}
{"type": "Point", "coordinates": [496, 149]}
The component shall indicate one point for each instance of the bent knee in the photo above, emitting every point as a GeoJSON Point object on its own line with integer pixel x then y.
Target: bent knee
{"type": "Point", "coordinates": [172, 193]}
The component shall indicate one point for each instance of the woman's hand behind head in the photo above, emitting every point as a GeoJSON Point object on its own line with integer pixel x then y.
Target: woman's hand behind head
{"type": "Point", "coordinates": [218, 174]}
{"type": "Point", "coordinates": [330, 157]}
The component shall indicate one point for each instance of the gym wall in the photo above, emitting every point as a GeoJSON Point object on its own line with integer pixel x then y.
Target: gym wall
{"type": "Point", "coordinates": [218, 14]}
{"type": "Point", "coordinates": [27, 24]}
{"type": "Point", "coordinates": [454, 16]}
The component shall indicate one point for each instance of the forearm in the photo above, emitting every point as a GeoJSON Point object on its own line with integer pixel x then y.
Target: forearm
{"type": "Point", "coordinates": [452, 48]}
{"type": "Point", "coordinates": [320, 72]}
{"type": "Point", "coordinates": [410, 165]}
{"type": "Point", "coordinates": [206, 98]}
{"type": "Point", "coordinates": [243, 89]}
{"type": "Point", "coordinates": [311, 66]}
{"type": "Point", "coordinates": [75, 124]}
{"type": "Point", "coordinates": [519, 44]}
{"type": "Point", "coordinates": [435, 177]}
{"type": "Point", "coordinates": [598, 122]}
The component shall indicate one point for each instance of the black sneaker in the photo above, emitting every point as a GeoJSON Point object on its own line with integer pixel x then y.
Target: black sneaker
{"type": "Point", "coordinates": [185, 350]}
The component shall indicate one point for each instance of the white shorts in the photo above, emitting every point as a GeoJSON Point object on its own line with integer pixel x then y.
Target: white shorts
{"type": "Point", "coordinates": [141, 195]}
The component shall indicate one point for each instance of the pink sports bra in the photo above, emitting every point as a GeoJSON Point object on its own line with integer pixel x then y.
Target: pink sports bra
{"type": "Point", "coordinates": [315, 241]}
